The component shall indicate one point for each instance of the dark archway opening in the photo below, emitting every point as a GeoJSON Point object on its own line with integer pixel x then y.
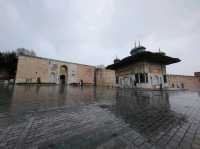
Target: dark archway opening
{"type": "Point", "coordinates": [62, 79]}
{"type": "Point", "coordinates": [63, 74]}
{"type": "Point", "coordinates": [38, 80]}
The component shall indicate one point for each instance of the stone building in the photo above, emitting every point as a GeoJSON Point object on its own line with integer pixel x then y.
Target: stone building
{"type": "Point", "coordinates": [31, 69]}
{"type": "Point", "coordinates": [142, 69]}
{"type": "Point", "coordinates": [183, 81]}
{"type": "Point", "coordinates": [41, 70]}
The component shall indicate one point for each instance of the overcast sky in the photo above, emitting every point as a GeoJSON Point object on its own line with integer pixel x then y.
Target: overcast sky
{"type": "Point", "coordinates": [96, 31]}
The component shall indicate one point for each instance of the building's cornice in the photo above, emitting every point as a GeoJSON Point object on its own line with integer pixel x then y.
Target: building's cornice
{"type": "Point", "coordinates": [60, 61]}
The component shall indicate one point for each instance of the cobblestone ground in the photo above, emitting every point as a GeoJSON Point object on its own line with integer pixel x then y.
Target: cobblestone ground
{"type": "Point", "coordinates": [89, 118]}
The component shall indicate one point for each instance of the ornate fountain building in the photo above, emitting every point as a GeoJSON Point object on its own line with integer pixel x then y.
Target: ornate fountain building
{"type": "Point", "coordinates": [142, 69]}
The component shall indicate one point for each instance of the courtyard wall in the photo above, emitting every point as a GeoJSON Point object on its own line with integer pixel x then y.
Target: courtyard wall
{"type": "Point", "coordinates": [182, 81]}
{"type": "Point", "coordinates": [105, 77]}
{"type": "Point", "coordinates": [29, 69]}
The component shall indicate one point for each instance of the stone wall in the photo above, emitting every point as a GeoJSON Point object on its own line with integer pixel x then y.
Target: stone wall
{"type": "Point", "coordinates": [86, 74]}
{"type": "Point", "coordinates": [181, 81]}
{"type": "Point", "coordinates": [29, 69]}
{"type": "Point", "coordinates": [105, 77]}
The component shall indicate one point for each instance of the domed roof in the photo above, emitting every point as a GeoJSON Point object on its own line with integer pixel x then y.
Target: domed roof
{"type": "Point", "coordinates": [137, 50]}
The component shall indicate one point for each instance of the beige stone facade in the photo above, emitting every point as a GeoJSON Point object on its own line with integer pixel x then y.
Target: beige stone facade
{"type": "Point", "coordinates": [85, 73]}
{"type": "Point", "coordinates": [29, 69]}
{"type": "Point", "coordinates": [184, 82]}
{"type": "Point", "coordinates": [105, 77]}
{"type": "Point", "coordinates": [149, 75]}
{"type": "Point", "coordinates": [142, 69]}
{"type": "Point", "coordinates": [42, 70]}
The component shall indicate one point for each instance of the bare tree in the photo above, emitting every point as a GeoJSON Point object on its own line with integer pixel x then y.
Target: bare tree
{"type": "Point", "coordinates": [23, 51]}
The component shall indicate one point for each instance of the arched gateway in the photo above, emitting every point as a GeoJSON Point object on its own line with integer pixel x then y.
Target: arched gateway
{"type": "Point", "coordinates": [63, 74]}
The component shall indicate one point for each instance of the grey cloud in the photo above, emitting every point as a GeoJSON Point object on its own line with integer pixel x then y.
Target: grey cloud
{"type": "Point", "coordinates": [94, 32]}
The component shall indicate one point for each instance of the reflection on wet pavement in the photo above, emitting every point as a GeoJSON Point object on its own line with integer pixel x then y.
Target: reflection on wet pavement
{"type": "Point", "coordinates": [88, 117]}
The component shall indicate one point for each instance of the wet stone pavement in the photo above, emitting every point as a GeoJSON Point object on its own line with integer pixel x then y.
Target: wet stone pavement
{"type": "Point", "coordinates": [56, 117]}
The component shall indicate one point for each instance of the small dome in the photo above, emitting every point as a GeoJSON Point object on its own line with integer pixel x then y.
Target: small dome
{"type": "Point", "coordinates": [137, 50]}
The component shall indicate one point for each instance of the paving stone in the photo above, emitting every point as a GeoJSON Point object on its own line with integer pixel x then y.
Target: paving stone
{"type": "Point", "coordinates": [139, 141]}
{"type": "Point", "coordinates": [130, 124]}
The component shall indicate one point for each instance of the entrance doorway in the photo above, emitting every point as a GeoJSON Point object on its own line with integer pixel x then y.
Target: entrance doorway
{"type": "Point", "coordinates": [63, 74]}
{"type": "Point", "coordinates": [62, 79]}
